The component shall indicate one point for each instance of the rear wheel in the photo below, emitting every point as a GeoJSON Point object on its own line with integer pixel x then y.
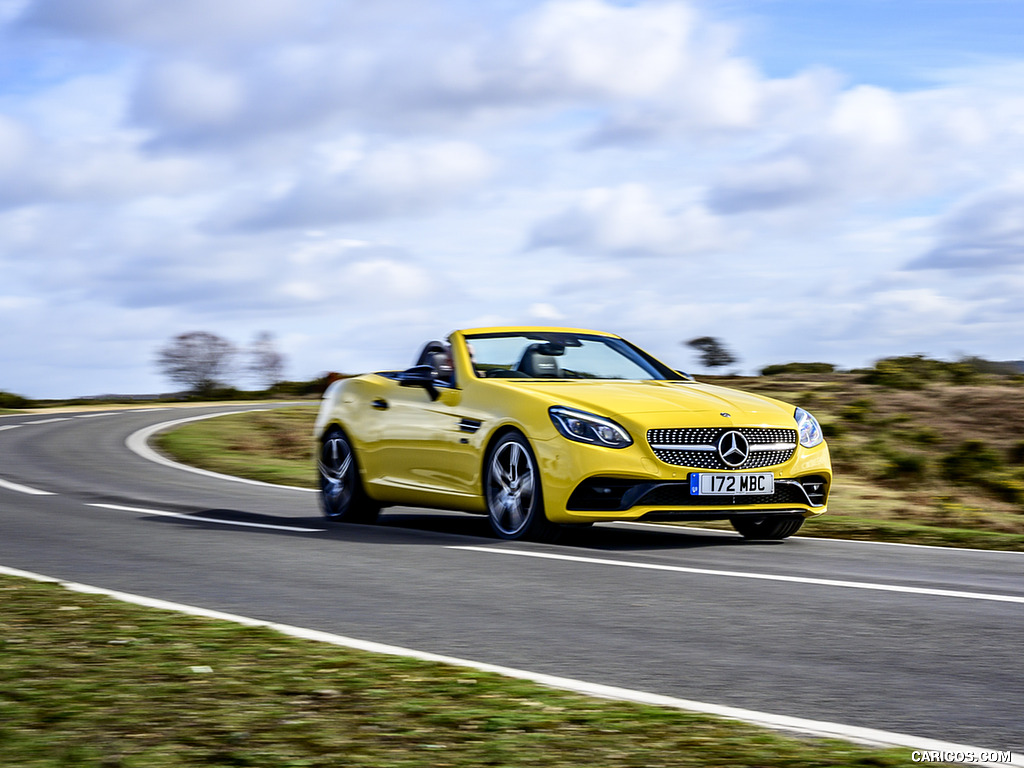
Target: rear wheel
{"type": "Point", "coordinates": [341, 494]}
{"type": "Point", "coordinates": [512, 489]}
{"type": "Point", "coordinates": [767, 528]}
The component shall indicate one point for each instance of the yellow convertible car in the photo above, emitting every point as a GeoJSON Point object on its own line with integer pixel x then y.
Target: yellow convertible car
{"type": "Point", "coordinates": [539, 428]}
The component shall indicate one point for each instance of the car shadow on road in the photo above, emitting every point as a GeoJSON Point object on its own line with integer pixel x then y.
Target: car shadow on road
{"type": "Point", "coordinates": [430, 528]}
{"type": "Point", "coordinates": [609, 537]}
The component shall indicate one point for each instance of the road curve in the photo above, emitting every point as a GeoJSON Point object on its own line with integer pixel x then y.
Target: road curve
{"type": "Point", "coordinates": [916, 640]}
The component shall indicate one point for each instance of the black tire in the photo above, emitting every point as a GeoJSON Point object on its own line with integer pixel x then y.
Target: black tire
{"type": "Point", "coordinates": [512, 490]}
{"type": "Point", "coordinates": [342, 497]}
{"type": "Point", "coordinates": [767, 528]}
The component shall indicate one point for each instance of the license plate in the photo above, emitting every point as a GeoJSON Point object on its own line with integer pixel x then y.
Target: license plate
{"type": "Point", "coordinates": [732, 484]}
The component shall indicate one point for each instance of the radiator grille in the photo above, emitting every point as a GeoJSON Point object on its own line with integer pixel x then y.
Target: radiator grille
{"type": "Point", "coordinates": [696, 446]}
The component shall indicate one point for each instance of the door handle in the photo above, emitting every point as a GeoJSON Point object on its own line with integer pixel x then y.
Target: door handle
{"type": "Point", "coordinates": [380, 404]}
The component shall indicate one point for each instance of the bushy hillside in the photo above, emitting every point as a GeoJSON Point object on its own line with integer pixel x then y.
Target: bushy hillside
{"type": "Point", "coordinates": [917, 440]}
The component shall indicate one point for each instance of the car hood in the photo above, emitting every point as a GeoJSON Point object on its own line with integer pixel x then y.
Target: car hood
{"type": "Point", "coordinates": [639, 398]}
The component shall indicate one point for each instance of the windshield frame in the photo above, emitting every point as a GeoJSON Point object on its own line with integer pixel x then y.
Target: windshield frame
{"type": "Point", "coordinates": [657, 370]}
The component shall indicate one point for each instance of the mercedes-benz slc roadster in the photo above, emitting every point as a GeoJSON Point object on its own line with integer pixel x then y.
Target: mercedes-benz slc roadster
{"type": "Point", "coordinates": [539, 428]}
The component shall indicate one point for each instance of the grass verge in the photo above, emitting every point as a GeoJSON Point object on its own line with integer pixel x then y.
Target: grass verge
{"type": "Point", "coordinates": [89, 682]}
{"type": "Point", "coordinates": [275, 446]}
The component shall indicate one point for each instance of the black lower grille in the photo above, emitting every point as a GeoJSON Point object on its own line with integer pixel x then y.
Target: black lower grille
{"type": "Point", "coordinates": [611, 494]}
{"type": "Point", "coordinates": [678, 495]}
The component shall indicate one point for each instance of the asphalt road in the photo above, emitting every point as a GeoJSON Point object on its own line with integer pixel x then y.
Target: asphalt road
{"type": "Point", "coordinates": [695, 615]}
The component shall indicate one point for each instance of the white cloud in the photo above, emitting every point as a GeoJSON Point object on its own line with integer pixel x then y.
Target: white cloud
{"type": "Point", "coordinates": [588, 46]}
{"type": "Point", "coordinates": [395, 180]}
{"type": "Point", "coordinates": [629, 220]}
{"type": "Point", "coordinates": [182, 23]}
{"type": "Point", "coordinates": [190, 96]}
{"type": "Point", "coordinates": [869, 116]}
{"type": "Point", "coordinates": [545, 311]}
{"type": "Point", "coordinates": [984, 232]}
{"type": "Point", "coordinates": [14, 145]}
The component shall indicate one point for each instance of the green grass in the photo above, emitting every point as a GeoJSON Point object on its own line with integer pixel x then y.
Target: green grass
{"type": "Point", "coordinates": [89, 682]}
{"type": "Point", "coordinates": [275, 446]}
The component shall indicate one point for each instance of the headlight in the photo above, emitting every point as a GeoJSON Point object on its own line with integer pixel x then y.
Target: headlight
{"type": "Point", "coordinates": [586, 427]}
{"type": "Point", "coordinates": [809, 428]}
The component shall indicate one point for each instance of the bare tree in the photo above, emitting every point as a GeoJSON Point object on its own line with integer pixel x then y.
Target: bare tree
{"type": "Point", "coordinates": [197, 360]}
{"type": "Point", "coordinates": [713, 353]}
{"type": "Point", "coordinates": [266, 364]}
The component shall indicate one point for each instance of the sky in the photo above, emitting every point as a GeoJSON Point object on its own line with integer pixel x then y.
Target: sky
{"type": "Point", "coordinates": [805, 180]}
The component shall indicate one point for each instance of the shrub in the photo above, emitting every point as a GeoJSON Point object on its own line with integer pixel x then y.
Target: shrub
{"type": "Point", "coordinates": [962, 373]}
{"type": "Point", "coordinates": [905, 466]}
{"type": "Point", "coordinates": [11, 400]}
{"type": "Point", "coordinates": [915, 371]}
{"type": "Point", "coordinates": [806, 399]}
{"type": "Point", "coordinates": [1006, 486]}
{"type": "Point", "coordinates": [925, 436]}
{"type": "Point", "coordinates": [858, 410]}
{"type": "Point", "coordinates": [774, 370]}
{"type": "Point", "coordinates": [833, 430]}
{"type": "Point", "coordinates": [981, 365]}
{"type": "Point", "coordinates": [970, 462]}
{"type": "Point", "coordinates": [901, 372]}
{"type": "Point", "coordinates": [315, 386]}
{"type": "Point", "coordinates": [1017, 454]}
{"type": "Point", "coordinates": [225, 393]}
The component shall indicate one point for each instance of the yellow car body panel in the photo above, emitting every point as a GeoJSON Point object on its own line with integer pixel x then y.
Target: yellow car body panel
{"type": "Point", "coordinates": [427, 446]}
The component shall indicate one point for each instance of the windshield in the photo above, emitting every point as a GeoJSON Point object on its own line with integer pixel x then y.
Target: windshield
{"type": "Point", "coordinates": [553, 355]}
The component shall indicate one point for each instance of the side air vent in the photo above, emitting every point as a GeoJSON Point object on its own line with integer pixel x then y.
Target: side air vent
{"type": "Point", "coordinates": [814, 487]}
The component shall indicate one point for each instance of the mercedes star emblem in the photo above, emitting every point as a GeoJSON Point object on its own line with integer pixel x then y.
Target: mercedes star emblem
{"type": "Point", "coordinates": [733, 448]}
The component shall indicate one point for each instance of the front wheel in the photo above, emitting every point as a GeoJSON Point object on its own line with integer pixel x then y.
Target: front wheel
{"type": "Point", "coordinates": [512, 489]}
{"type": "Point", "coordinates": [766, 528]}
{"type": "Point", "coordinates": [341, 494]}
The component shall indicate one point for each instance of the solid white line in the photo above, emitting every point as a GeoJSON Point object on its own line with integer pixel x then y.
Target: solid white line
{"type": "Point", "coordinates": [162, 513]}
{"type": "Point", "coordinates": [751, 575]}
{"type": "Point", "coordinates": [809, 537]}
{"type": "Point", "coordinates": [817, 728]}
{"type": "Point", "coordinates": [24, 489]}
{"type": "Point", "coordinates": [138, 442]}
{"type": "Point", "coordinates": [11, 426]}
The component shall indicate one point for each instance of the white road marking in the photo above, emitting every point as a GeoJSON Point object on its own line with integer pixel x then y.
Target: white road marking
{"type": "Point", "coordinates": [11, 426]}
{"type": "Point", "coordinates": [669, 527]}
{"type": "Point", "coordinates": [181, 515]}
{"type": "Point", "coordinates": [138, 442]}
{"type": "Point", "coordinates": [50, 421]}
{"type": "Point", "coordinates": [750, 575]}
{"type": "Point", "coordinates": [817, 728]}
{"type": "Point", "coordinates": [94, 415]}
{"type": "Point", "coordinates": [24, 489]}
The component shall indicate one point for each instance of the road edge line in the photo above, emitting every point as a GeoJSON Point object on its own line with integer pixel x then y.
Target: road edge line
{"type": "Point", "coordinates": [821, 729]}
{"type": "Point", "coordinates": [753, 575]}
{"type": "Point", "coordinates": [138, 443]}
{"type": "Point", "coordinates": [24, 488]}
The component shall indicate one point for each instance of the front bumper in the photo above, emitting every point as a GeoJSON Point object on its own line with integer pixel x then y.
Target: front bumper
{"type": "Point", "coordinates": [584, 483]}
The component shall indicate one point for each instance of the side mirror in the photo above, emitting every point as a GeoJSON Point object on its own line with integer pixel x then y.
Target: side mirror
{"type": "Point", "coordinates": [419, 376]}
